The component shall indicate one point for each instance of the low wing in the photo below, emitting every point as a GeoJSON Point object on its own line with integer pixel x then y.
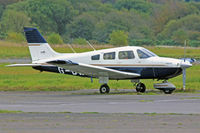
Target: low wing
{"type": "Point", "coordinates": [94, 71]}
{"type": "Point", "coordinates": [23, 65]}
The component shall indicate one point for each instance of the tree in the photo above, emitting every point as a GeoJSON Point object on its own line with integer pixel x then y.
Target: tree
{"type": "Point", "coordinates": [139, 5]}
{"type": "Point", "coordinates": [101, 33]}
{"type": "Point", "coordinates": [146, 20]}
{"type": "Point", "coordinates": [13, 21]}
{"type": "Point", "coordinates": [90, 6]}
{"type": "Point", "coordinates": [82, 27]}
{"type": "Point", "coordinates": [112, 21]}
{"type": "Point", "coordinates": [180, 36]}
{"type": "Point", "coordinates": [119, 38]}
{"type": "Point", "coordinates": [1, 10]}
{"type": "Point", "coordinates": [188, 25]}
{"type": "Point", "coordinates": [172, 10]}
{"type": "Point", "coordinates": [127, 21]}
{"type": "Point", "coordinates": [48, 15]}
{"type": "Point", "coordinates": [7, 2]}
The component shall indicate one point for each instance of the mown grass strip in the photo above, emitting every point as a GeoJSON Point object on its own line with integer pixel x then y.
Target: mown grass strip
{"type": "Point", "coordinates": [9, 112]}
{"type": "Point", "coordinates": [28, 79]}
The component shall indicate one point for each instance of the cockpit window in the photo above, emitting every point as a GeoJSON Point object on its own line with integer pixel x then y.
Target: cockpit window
{"type": "Point", "coordinates": [149, 52]}
{"type": "Point", "coordinates": [144, 53]}
{"type": "Point", "coordinates": [95, 57]}
{"type": "Point", "coordinates": [109, 56]}
{"type": "Point", "coordinates": [126, 55]}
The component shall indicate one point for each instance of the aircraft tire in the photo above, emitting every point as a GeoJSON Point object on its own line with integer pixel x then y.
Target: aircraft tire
{"type": "Point", "coordinates": [141, 87]}
{"type": "Point", "coordinates": [104, 89]}
{"type": "Point", "coordinates": [167, 91]}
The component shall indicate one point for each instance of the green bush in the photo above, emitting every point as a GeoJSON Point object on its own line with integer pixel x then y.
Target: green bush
{"type": "Point", "coordinates": [148, 42]}
{"type": "Point", "coordinates": [14, 21]}
{"type": "Point", "coordinates": [194, 43]}
{"type": "Point", "coordinates": [118, 38]}
{"type": "Point", "coordinates": [80, 41]}
{"type": "Point", "coordinates": [168, 43]}
{"type": "Point", "coordinates": [3, 35]}
{"type": "Point", "coordinates": [140, 42]}
{"type": "Point", "coordinates": [15, 37]}
{"type": "Point", "coordinates": [55, 39]}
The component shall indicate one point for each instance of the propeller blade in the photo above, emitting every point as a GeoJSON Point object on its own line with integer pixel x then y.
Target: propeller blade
{"type": "Point", "coordinates": [184, 66]}
{"type": "Point", "coordinates": [185, 43]}
{"type": "Point", "coordinates": [184, 78]}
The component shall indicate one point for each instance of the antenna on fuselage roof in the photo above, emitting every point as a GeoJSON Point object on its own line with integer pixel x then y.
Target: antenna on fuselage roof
{"type": "Point", "coordinates": [91, 45]}
{"type": "Point", "coordinates": [71, 48]}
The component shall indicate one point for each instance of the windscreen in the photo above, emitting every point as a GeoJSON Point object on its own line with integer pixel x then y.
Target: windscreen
{"type": "Point", "coordinates": [144, 53]}
{"type": "Point", "coordinates": [149, 52]}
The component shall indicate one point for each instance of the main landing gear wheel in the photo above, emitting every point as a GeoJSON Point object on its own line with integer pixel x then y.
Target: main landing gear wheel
{"type": "Point", "coordinates": [141, 87]}
{"type": "Point", "coordinates": [104, 89]}
{"type": "Point", "coordinates": [167, 91]}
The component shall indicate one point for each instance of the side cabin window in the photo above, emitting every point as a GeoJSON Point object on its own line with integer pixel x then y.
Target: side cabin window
{"type": "Point", "coordinates": [95, 57]}
{"type": "Point", "coordinates": [109, 56]}
{"type": "Point", "coordinates": [142, 55]}
{"type": "Point", "coordinates": [126, 55]}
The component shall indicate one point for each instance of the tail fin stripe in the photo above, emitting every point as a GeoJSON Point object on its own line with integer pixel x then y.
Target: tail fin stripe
{"type": "Point", "coordinates": [33, 35]}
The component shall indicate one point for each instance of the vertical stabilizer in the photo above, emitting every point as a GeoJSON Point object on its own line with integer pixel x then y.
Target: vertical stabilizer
{"type": "Point", "coordinates": [38, 46]}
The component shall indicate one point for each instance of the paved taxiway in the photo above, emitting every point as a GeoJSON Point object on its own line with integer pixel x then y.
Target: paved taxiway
{"type": "Point", "coordinates": [117, 113]}
{"type": "Point", "coordinates": [98, 123]}
{"type": "Point", "coordinates": [78, 103]}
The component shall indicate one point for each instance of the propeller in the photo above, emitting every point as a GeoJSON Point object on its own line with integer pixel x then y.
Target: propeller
{"type": "Point", "coordinates": [186, 63]}
{"type": "Point", "coordinates": [184, 69]}
{"type": "Point", "coordinates": [184, 78]}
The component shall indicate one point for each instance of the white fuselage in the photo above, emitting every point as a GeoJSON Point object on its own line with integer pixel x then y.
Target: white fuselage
{"type": "Point", "coordinates": [128, 59]}
{"type": "Point", "coordinates": [86, 58]}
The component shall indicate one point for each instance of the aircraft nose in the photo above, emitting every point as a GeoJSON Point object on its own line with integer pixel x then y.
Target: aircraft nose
{"type": "Point", "coordinates": [185, 64]}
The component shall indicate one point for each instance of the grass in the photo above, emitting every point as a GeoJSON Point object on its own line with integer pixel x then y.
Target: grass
{"type": "Point", "coordinates": [175, 52]}
{"type": "Point", "coordinates": [154, 114]}
{"type": "Point", "coordinates": [9, 112]}
{"type": "Point", "coordinates": [90, 112]}
{"type": "Point", "coordinates": [28, 79]}
{"type": "Point", "coordinates": [13, 50]}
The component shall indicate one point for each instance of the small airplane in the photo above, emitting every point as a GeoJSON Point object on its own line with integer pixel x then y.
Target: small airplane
{"type": "Point", "coordinates": [122, 63]}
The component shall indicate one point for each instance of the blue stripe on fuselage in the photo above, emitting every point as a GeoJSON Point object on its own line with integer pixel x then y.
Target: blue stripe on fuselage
{"type": "Point", "coordinates": [151, 72]}
{"type": "Point", "coordinates": [145, 72]}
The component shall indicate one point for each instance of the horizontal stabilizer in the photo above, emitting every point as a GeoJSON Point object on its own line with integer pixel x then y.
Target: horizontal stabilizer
{"type": "Point", "coordinates": [23, 65]}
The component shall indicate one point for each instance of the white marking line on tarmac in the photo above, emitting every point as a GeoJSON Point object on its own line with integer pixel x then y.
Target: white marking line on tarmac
{"type": "Point", "coordinates": [176, 100]}
{"type": "Point", "coordinates": [114, 103]}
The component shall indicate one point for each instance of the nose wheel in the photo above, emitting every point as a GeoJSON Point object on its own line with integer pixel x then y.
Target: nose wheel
{"type": "Point", "coordinates": [168, 91]}
{"type": "Point", "coordinates": [140, 87]}
{"type": "Point", "coordinates": [104, 89]}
